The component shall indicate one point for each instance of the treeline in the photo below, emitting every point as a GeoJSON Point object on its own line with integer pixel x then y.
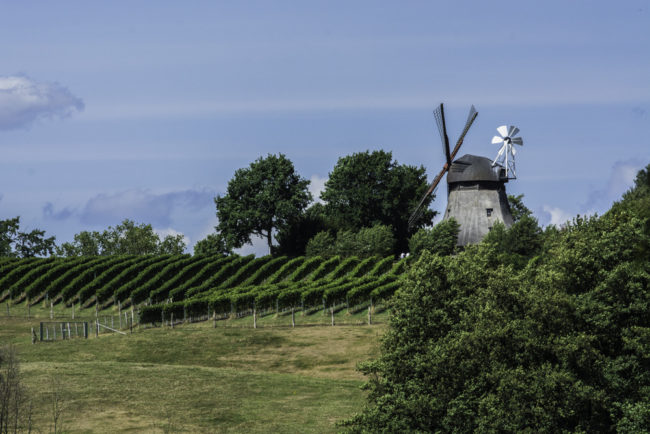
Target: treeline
{"type": "Point", "coordinates": [527, 331]}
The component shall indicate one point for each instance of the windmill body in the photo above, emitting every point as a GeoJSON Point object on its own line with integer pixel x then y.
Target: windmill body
{"type": "Point", "coordinates": [476, 197]}
{"type": "Point", "coordinates": [476, 192]}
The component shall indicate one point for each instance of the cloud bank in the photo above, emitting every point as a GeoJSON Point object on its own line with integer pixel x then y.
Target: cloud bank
{"type": "Point", "coordinates": [23, 101]}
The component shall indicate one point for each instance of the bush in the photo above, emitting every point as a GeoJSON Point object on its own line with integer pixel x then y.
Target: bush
{"type": "Point", "coordinates": [441, 239]}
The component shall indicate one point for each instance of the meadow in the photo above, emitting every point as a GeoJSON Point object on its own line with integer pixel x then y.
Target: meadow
{"type": "Point", "coordinates": [197, 378]}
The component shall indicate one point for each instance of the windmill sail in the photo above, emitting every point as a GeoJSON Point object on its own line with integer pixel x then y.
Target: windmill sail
{"type": "Point", "coordinates": [439, 115]}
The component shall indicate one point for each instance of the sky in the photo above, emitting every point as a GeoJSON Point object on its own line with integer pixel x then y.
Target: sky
{"type": "Point", "coordinates": [144, 110]}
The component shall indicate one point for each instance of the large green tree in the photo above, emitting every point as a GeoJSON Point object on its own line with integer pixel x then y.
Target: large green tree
{"type": "Point", "coordinates": [369, 188]}
{"type": "Point", "coordinates": [560, 345]}
{"type": "Point", "coordinates": [266, 197]}
{"type": "Point", "coordinates": [14, 242]}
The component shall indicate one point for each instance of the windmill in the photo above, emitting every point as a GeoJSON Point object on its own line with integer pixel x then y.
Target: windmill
{"type": "Point", "coordinates": [476, 193]}
{"type": "Point", "coordinates": [439, 114]}
{"type": "Point", "coordinates": [506, 156]}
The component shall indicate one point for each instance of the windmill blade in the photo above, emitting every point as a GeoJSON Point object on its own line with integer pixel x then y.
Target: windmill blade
{"type": "Point", "coordinates": [503, 130]}
{"type": "Point", "coordinates": [512, 131]}
{"type": "Point", "coordinates": [518, 141]}
{"type": "Point", "coordinates": [470, 120]}
{"type": "Point", "coordinates": [439, 114]}
{"type": "Point", "coordinates": [418, 210]}
{"type": "Point", "coordinates": [497, 139]}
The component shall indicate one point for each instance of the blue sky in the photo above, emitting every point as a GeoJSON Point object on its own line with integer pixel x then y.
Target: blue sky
{"type": "Point", "coordinates": [144, 110]}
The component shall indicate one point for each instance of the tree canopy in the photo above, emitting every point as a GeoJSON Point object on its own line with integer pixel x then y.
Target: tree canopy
{"type": "Point", "coordinates": [560, 344]}
{"type": "Point", "coordinates": [369, 188]}
{"type": "Point", "coordinates": [127, 238]}
{"type": "Point", "coordinates": [14, 242]}
{"type": "Point", "coordinates": [266, 197]}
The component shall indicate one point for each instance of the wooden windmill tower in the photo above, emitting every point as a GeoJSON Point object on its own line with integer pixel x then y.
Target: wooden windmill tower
{"type": "Point", "coordinates": [476, 192]}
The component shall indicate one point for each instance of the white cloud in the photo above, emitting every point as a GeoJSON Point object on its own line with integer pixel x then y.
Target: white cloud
{"type": "Point", "coordinates": [24, 101]}
{"type": "Point", "coordinates": [558, 216]}
{"type": "Point", "coordinates": [316, 187]}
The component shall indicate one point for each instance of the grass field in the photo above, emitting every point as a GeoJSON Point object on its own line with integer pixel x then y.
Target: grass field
{"type": "Point", "coordinates": [196, 378]}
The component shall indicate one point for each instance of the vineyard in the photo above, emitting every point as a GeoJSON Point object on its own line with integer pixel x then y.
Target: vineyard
{"type": "Point", "coordinates": [199, 286]}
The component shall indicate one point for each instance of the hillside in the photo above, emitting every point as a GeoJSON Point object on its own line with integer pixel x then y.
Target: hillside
{"type": "Point", "coordinates": [194, 378]}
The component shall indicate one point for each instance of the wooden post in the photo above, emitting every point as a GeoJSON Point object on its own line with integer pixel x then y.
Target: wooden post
{"type": "Point", "coordinates": [41, 331]}
{"type": "Point", "coordinates": [96, 327]}
{"type": "Point", "coordinates": [47, 333]}
{"type": "Point", "coordinates": [62, 332]}
{"type": "Point", "coordinates": [7, 308]}
{"type": "Point", "coordinates": [332, 313]}
{"type": "Point", "coordinates": [69, 331]}
{"type": "Point", "coordinates": [293, 318]}
{"type": "Point", "coordinates": [172, 320]}
{"type": "Point", "coordinates": [112, 321]}
{"type": "Point", "coordinates": [119, 312]}
{"type": "Point", "coordinates": [132, 316]}
{"type": "Point", "coordinates": [51, 310]}
{"type": "Point", "coordinates": [369, 316]}
{"type": "Point", "coordinates": [73, 310]}
{"type": "Point", "coordinates": [254, 318]}
{"type": "Point", "coordinates": [214, 319]}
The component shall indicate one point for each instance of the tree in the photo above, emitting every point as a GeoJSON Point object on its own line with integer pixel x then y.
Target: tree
{"type": "Point", "coordinates": [15, 408]}
{"type": "Point", "coordinates": [559, 345]}
{"type": "Point", "coordinates": [440, 239]}
{"type": "Point", "coordinates": [262, 199]}
{"type": "Point", "coordinates": [14, 242]}
{"type": "Point", "coordinates": [375, 241]}
{"type": "Point", "coordinates": [127, 238]}
{"type": "Point", "coordinates": [294, 238]}
{"type": "Point", "coordinates": [322, 244]}
{"type": "Point", "coordinates": [213, 244]}
{"type": "Point", "coordinates": [369, 188]}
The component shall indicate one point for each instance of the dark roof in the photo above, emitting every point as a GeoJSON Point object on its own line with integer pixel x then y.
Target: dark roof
{"type": "Point", "coordinates": [472, 168]}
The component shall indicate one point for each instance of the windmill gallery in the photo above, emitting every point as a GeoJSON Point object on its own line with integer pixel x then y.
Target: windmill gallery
{"type": "Point", "coordinates": [476, 192]}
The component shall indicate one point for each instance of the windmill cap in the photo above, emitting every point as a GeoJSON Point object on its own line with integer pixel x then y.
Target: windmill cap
{"type": "Point", "coordinates": [472, 168]}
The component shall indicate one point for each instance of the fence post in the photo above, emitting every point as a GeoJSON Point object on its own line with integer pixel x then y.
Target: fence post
{"type": "Point", "coordinates": [214, 319]}
{"type": "Point", "coordinates": [86, 330]}
{"type": "Point", "coordinates": [172, 320]}
{"type": "Point", "coordinates": [69, 335]}
{"type": "Point", "coordinates": [96, 328]}
{"type": "Point", "coordinates": [73, 310]}
{"type": "Point", "coordinates": [41, 332]}
{"type": "Point", "coordinates": [254, 317]}
{"type": "Point", "coordinates": [119, 311]}
{"type": "Point", "coordinates": [332, 313]}
{"type": "Point", "coordinates": [293, 318]}
{"type": "Point", "coordinates": [51, 310]}
{"type": "Point", "coordinates": [369, 316]}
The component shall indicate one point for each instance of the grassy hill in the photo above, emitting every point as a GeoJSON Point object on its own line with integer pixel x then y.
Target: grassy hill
{"type": "Point", "coordinates": [196, 378]}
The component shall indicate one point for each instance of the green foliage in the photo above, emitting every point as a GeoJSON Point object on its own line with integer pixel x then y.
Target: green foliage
{"type": "Point", "coordinates": [16, 243]}
{"type": "Point", "coordinates": [322, 244]}
{"type": "Point", "coordinates": [556, 341]}
{"type": "Point", "coordinates": [127, 238]}
{"type": "Point", "coordinates": [213, 244]}
{"type": "Point", "coordinates": [440, 239]}
{"type": "Point", "coordinates": [293, 239]}
{"type": "Point", "coordinates": [266, 196]}
{"type": "Point", "coordinates": [377, 240]}
{"type": "Point", "coordinates": [369, 188]}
